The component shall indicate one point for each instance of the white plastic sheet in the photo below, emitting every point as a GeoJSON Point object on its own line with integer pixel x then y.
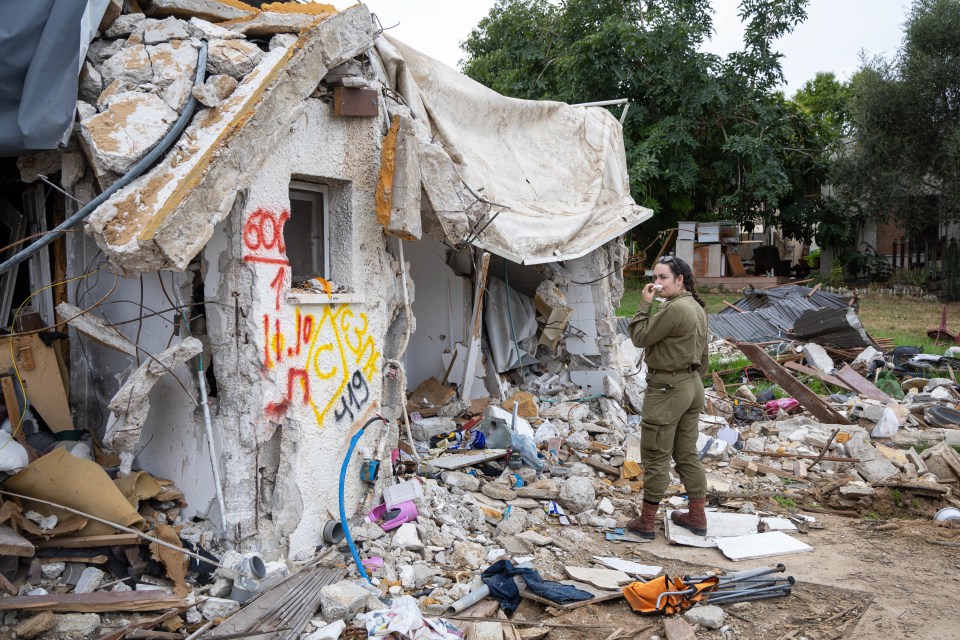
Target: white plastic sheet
{"type": "Point", "coordinates": [557, 172]}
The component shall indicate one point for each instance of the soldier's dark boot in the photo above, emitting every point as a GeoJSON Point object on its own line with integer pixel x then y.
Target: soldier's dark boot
{"type": "Point", "coordinates": [693, 519]}
{"type": "Point", "coordinates": [644, 526]}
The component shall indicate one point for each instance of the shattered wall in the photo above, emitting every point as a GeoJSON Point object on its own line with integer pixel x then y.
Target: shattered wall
{"type": "Point", "coordinates": [296, 378]}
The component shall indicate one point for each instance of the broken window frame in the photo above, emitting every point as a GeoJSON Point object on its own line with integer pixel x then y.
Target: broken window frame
{"type": "Point", "coordinates": [320, 266]}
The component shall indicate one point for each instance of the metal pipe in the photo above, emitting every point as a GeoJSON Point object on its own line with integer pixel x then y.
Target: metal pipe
{"type": "Point", "coordinates": [602, 103]}
{"type": "Point", "coordinates": [477, 595]}
{"type": "Point", "coordinates": [785, 591]}
{"type": "Point", "coordinates": [214, 460]}
{"type": "Point", "coordinates": [165, 143]}
{"type": "Point", "coordinates": [739, 575]}
{"type": "Point", "coordinates": [730, 594]}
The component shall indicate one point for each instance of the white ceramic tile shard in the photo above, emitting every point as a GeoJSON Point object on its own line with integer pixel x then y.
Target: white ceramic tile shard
{"type": "Point", "coordinates": [630, 567]}
{"type": "Point", "coordinates": [719, 525]}
{"type": "Point", "coordinates": [608, 579]}
{"type": "Point", "coordinates": [761, 545]}
{"type": "Point", "coordinates": [776, 523]}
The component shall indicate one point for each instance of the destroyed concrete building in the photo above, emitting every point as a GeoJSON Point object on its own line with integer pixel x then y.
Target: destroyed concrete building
{"type": "Point", "coordinates": [334, 219]}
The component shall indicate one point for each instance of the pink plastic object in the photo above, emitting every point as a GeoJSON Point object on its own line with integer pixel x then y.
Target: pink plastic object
{"type": "Point", "coordinates": [408, 513]}
{"type": "Point", "coordinates": [787, 404]}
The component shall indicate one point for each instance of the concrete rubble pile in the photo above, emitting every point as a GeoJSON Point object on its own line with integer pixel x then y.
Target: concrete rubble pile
{"type": "Point", "coordinates": [545, 476]}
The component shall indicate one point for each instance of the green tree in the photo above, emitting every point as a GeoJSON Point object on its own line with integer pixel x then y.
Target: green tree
{"type": "Point", "coordinates": [706, 137]}
{"type": "Point", "coordinates": [903, 161]}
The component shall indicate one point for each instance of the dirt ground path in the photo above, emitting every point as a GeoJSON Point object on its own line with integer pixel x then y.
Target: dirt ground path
{"type": "Point", "coordinates": [856, 583]}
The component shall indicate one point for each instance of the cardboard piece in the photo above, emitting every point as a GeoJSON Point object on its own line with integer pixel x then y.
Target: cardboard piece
{"type": "Point", "coordinates": [14, 544]}
{"type": "Point", "coordinates": [138, 486]}
{"type": "Point", "coordinates": [176, 563]}
{"type": "Point", "coordinates": [76, 483]}
{"type": "Point", "coordinates": [760, 545]}
{"type": "Point", "coordinates": [42, 379]}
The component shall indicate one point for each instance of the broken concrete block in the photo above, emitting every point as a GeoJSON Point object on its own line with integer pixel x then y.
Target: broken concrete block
{"type": "Point", "coordinates": [131, 66]}
{"type": "Point", "coordinates": [30, 164]}
{"type": "Point", "coordinates": [212, 10]}
{"type": "Point", "coordinates": [268, 23]}
{"type": "Point", "coordinates": [407, 537]}
{"type": "Point", "coordinates": [100, 50]}
{"type": "Point", "coordinates": [132, 125]}
{"type": "Point", "coordinates": [201, 28]}
{"type": "Point", "coordinates": [872, 466]}
{"type": "Point", "coordinates": [469, 554]}
{"type": "Point", "coordinates": [426, 428]}
{"type": "Point", "coordinates": [535, 539]}
{"type": "Point", "coordinates": [577, 494]}
{"type": "Point", "coordinates": [89, 581]}
{"type": "Point", "coordinates": [545, 489]}
{"type": "Point", "coordinates": [605, 507]}
{"type": "Point", "coordinates": [171, 61]}
{"type": "Point", "coordinates": [746, 393]}
{"type": "Point", "coordinates": [943, 462]}
{"type": "Point", "coordinates": [709, 615]}
{"type": "Point", "coordinates": [157, 31]}
{"type": "Point", "coordinates": [343, 600]}
{"type": "Point", "coordinates": [282, 40]}
{"type": "Point", "coordinates": [124, 25]}
{"type": "Point", "coordinates": [498, 491]}
{"type": "Point", "coordinates": [213, 608]}
{"type": "Point", "coordinates": [215, 90]}
{"type": "Point", "coordinates": [415, 576]}
{"type": "Point", "coordinates": [857, 490]}
{"type": "Point", "coordinates": [914, 458]}
{"type": "Point", "coordinates": [178, 93]}
{"type": "Point", "coordinates": [235, 58]}
{"type": "Point", "coordinates": [816, 356]}
{"type": "Point", "coordinates": [943, 393]}
{"type": "Point", "coordinates": [91, 83]}
{"type": "Point", "coordinates": [52, 570]}
{"type": "Point", "coordinates": [75, 626]}
{"type": "Point", "coordinates": [461, 480]}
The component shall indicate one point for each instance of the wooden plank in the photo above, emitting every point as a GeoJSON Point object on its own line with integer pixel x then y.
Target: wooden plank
{"type": "Point", "coordinates": [861, 385]}
{"type": "Point", "coordinates": [601, 466]}
{"type": "Point", "coordinates": [718, 385]}
{"type": "Point", "coordinates": [14, 544]}
{"type": "Point", "coordinates": [816, 373]}
{"type": "Point", "coordinates": [80, 542]}
{"type": "Point", "coordinates": [476, 327]}
{"type": "Point", "coordinates": [741, 465]}
{"type": "Point", "coordinates": [736, 266]}
{"type": "Point", "coordinates": [101, 602]}
{"type": "Point", "coordinates": [101, 559]}
{"type": "Point", "coordinates": [676, 628]}
{"type": "Point", "coordinates": [599, 595]}
{"type": "Point", "coordinates": [43, 384]}
{"type": "Point", "coordinates": [807, 398]}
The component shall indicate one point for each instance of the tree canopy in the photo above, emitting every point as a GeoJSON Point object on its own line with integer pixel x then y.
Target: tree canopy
{"type": "Point", "coordinates": [706, 137]}
{"type": "Point", "coordinates": [903, 158]}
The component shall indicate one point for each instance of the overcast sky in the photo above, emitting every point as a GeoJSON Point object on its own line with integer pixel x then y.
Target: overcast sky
{"type": "Point", "coordinates": [830, 40]}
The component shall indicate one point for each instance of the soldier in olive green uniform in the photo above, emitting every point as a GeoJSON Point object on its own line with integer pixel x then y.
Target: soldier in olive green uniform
{"type": "Point", "coordinates": [675, 343]}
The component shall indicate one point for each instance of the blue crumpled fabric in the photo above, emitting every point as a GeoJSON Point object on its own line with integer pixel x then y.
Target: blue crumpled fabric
{"type": "Point", "coordinates": [499, 578]}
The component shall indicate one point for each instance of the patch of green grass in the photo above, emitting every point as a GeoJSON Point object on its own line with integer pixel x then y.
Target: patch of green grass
{"type": "Point", "coordinates": [785, 502]}
{"type": "Point", "coordinates": [956, 447]}
{"type": "Point", "coordinates": [922, 446]}
{"type": "Point", "coordinates": [897, 497]}
{"type": "Point", "coordinates": [871, 516]}
{"type": "Point", "coordinates": [760, 387]}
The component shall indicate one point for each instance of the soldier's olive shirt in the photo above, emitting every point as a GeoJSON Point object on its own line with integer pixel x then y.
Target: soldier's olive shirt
{"type": "Point", "coordinates": [675, 336]}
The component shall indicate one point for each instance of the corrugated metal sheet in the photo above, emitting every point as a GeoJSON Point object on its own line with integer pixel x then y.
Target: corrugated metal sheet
{"type": "Point", "coordinates": [760, 298]}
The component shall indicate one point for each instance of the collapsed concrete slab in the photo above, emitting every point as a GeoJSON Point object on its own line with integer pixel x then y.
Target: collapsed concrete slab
{"type": "Point", "coordinates": [163, 219]}
{"type": "Point", "coordinates": [132, 403]}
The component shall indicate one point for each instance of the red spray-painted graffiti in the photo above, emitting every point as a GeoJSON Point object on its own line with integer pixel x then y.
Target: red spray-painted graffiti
{"type": "Point", "coordinates": [313, 351]}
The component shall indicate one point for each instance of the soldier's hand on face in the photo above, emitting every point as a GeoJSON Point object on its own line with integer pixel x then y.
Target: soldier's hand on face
{"type": "Point", "coordinates": [648, 292]}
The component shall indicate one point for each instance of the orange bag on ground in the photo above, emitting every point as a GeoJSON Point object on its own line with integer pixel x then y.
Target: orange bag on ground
{"type": "Point", "coordinates": [643, 596]}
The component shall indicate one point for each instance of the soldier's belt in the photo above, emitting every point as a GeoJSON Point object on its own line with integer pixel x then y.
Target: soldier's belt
{"type": "Point", "coordinates": [658, 371]}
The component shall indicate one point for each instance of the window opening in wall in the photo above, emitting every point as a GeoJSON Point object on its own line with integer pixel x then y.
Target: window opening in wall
{"type": "Point", "coordinates": [307, 232]}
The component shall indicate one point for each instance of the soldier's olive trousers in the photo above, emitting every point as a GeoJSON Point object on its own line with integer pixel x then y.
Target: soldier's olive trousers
{"type": "Point", "coordinates": [669, 428]}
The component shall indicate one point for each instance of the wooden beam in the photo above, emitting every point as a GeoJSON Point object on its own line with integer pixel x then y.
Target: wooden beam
{"type": "Point", "coordinates": [733, 306]}
{"type": "Point", "coordinates": [14, 544]}
{"type": "Point", "coordinates": [861, 385]}
{"type": "Point", "coordinates": [813, 403]}
{"type": "Point", "coordinates": [81, 542]}
{"type": "Point", "coordinates": [741, 465]}
{"type": "Point", "coordinates": [100, 602]}
{"type": "Point", "coordinates": [476, 327]}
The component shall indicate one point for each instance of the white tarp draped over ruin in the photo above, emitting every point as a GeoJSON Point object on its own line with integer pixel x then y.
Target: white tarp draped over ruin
{"type": "Point", "coordinates": [559, 172]}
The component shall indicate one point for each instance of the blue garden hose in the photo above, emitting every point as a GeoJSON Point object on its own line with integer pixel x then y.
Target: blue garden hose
{"type": "Point", "coordinates": [343, 479]}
